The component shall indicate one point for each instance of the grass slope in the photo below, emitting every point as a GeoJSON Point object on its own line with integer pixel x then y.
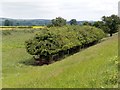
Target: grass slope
{"type": "Point", "coordinates": [92, 67]}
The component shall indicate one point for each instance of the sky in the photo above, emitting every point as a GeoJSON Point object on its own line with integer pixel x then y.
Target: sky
{"type": "Point", "coordinates": [49, 9]}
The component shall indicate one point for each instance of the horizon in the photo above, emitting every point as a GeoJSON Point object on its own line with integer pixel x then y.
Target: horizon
{"type": "Point", "coordinates": [41, 19]}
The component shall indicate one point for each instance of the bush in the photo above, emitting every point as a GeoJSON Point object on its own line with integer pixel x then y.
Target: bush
{"type": "Point", "coordinates": [62, 40]}
{"type": "Point", "coordinates": [59, 21]}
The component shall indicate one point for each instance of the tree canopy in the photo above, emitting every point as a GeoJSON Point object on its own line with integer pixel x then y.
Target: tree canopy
{"type": "Point", "coordinates": [87, 23]}
{"type": "Point", "coordinates": [111, 22]}
{"type": "Point", "coordinates": [73, 22]}
{"type": "Point", "coordinates": [59, 21]}
{"type": "Point", "coordinates": [8, 23]}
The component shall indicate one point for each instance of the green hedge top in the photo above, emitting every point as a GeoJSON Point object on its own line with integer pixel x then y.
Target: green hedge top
{"type": "Point", "coordinates": [52, 40]}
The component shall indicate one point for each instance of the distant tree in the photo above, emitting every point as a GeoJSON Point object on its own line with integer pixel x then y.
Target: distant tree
{"type": "Point", "coordinates": [17, 24]}
{"type": "Point", "coordinates": [101, 25]}
{"type": "Point", "coordinates": [112, 22]}
{"type": "Point", "coordinates": [73, 22]}
{"type": "Point", "coordinates": [98, 24]}
{"type": "Point", "coordinates": [59, 21]}
{"type": "Point", "coordinates": [8, 23]}
{"type": "Point", "coordinates": [87, 23]}
{"type": "Point", "coordinates": [50, 25]}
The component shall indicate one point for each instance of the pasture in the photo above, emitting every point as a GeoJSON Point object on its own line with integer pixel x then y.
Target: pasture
{"type": "Point", "coordinates": [94, 67]}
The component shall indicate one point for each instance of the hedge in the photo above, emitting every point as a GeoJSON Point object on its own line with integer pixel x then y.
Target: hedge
{"type": "Point", "coordinates": [62, 40]}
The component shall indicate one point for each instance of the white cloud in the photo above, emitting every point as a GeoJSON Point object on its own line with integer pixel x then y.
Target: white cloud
{"type": "Point", "coordinates": [79, 9]}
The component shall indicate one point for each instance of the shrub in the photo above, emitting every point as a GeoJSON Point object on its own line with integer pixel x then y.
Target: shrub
{"type": "Point", "coordinates": [59, 21]}
{"type": "Point", "coordinates": [62, 40]}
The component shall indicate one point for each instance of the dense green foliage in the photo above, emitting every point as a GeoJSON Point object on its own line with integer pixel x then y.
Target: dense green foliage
{"type": "Point", "coordinates": [59, 21]}
{"type": "Point", "coordinates": [73, 22]}
{"type": "Point", "coordinates": [109, 24]}
{"type": "Point", "coordinates": [61, 40]}
{"type": "Point", "coordinates": [101, 25]}
{"type": "Point", "coordinates": [112, 22]}
{"type": "Point", "coordinates": [87, 23]}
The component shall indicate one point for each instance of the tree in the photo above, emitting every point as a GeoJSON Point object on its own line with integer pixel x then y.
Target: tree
{"type": "Point", "coordinates": [112, 22]}
{"type": "Point", "coordinates": [59, 21]}
{"type": "Point", "coordinates": [17, 24]}
{"type": "Point", "coordinates": [73, 22]}
{"type": "Point", "coordinates": [87, 23]}
{"type": "Point", "coordinates": [101, 25]}
{"type": "Point", "coordinates": [98, 24]}
{"type": "Point", "coordinates": [8, 23]}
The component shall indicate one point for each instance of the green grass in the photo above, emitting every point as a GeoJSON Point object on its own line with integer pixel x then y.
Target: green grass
{"type": "Point", "coordinates": [94, 67]}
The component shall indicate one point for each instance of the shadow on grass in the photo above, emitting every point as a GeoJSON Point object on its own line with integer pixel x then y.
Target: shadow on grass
{"type": "Point", "coordinates": [28, 62]}
{"type": "Point", "coordinates": [32, 62]}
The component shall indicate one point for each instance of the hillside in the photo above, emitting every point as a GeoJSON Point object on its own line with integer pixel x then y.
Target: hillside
{"type": "Point", "coordinates": [25, 22]}
{"type": "Point", "coordinates": [30, 22]}
{"type": "Point", "coordinates": [92, 67]}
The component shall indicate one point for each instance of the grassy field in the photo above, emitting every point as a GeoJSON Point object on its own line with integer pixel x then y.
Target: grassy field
{"type": "Point", "coordinates": [94, 67]}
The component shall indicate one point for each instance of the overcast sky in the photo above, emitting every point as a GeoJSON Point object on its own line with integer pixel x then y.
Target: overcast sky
{"type": "Point", "coordinates": [49, 9]}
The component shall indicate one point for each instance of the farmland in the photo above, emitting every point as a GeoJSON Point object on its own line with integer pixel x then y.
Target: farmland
{"type": "Point", "coordinates": [21, 27]}
{"type": "Point", "coordinates": [94, 67]}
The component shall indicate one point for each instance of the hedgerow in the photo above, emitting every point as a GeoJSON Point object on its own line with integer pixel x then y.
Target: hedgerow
{"type": "Point", "coordinates": [58, 41]}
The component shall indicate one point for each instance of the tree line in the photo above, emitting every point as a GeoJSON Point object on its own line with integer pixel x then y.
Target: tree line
{"type": "Point", "coordinates": [109, 24]}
